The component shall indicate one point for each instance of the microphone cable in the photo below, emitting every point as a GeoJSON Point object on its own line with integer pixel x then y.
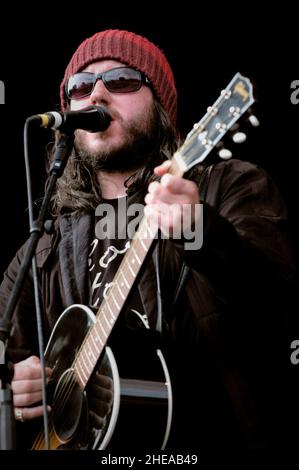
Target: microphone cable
{"type": "Point", "coordinates": [35, 278]}
{"type": "Point", "coordinates": [92, 119]}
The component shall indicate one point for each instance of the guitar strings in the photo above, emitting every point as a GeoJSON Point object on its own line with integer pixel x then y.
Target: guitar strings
{"type": "Point", "coordinates": [56, 411]}
{"type": "Point", "coordinates": [67, 388]}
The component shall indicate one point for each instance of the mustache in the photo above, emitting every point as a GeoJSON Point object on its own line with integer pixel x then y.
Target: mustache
{"type": "Point", "coordinates": [115, 115]}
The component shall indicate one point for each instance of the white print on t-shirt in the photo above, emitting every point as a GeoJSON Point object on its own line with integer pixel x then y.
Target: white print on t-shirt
{"type": "Point", "coordinates": [115, 252]}
{"type": "Point", "coordinates": [93, 245]}
{"type": "Point", "coordinates": [110, 254]}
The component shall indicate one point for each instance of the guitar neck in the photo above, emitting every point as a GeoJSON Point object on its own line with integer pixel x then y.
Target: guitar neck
{"type": "Point", "coordinates": [220, 117]}
{"type": "Point", "coordinates": [112, 304]}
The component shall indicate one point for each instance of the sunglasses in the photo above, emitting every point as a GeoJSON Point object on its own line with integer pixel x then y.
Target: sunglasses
{"type": "Point", "coordinates": [118, 80]}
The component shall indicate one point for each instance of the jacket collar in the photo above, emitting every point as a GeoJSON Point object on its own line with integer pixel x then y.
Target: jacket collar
{"type": "Point", "coordinates": [73, 255]}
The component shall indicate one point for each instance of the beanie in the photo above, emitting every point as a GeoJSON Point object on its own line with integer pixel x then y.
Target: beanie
{"type": "Point", "coordinates": [134, 51]}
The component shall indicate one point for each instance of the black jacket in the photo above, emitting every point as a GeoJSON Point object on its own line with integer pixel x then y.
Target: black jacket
{"type": "Point", "coordinates": [227, 335]}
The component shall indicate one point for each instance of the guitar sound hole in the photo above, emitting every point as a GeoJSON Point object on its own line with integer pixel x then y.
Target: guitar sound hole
{"type": "Point", "coordinates": [68, 401]}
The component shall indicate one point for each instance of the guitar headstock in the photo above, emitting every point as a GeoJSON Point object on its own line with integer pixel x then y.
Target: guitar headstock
{"type": "Point", "coordinates": [220, 117]}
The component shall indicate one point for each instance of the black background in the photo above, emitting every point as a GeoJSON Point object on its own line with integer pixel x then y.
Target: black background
{"type": "Point", "coordinates": [205, 45]}
{"type": "Point", "coordinates": [205, 49]}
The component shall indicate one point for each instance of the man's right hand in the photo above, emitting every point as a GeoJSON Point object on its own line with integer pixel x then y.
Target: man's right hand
{"type": "Point", "coordinates": [27, 387]}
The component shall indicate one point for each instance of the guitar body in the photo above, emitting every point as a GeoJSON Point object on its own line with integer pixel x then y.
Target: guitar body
{"type": "Point", "coordinates": [138, 416]}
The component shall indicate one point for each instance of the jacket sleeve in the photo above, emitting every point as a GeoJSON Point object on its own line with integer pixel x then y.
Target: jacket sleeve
{"type": "Point", "coordinates": [23, 338]}
{"type": "Point", "coordinates": [232, 323]}
{"type": "Point", "coordinates": [245, 232]}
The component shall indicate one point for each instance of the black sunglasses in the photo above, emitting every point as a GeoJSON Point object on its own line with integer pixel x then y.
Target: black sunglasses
{"type": "Point", "coordinates": [118, 80]}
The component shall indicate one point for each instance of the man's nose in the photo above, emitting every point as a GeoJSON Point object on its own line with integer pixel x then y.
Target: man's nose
{"type": "Point", "coordinates": [99, 94]}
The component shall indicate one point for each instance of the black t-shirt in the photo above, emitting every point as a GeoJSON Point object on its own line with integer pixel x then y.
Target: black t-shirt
{"type": "Point", "coordinates": [115, 221]}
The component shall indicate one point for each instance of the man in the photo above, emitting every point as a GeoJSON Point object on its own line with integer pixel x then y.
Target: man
{"type": "Point", "coordinates": [222, 304]}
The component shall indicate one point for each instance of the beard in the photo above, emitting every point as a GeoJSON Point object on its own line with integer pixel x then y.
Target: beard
{"type": "Point", "coordinates": [139, 147]}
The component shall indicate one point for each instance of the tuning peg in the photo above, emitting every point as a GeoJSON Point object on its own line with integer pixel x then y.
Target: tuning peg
{"type": "Point", "coordinates": [235, 127]}
{"type": "Point", "coordinates": [254, 120]}
{"type": "Point", "coordinates": [239, 137]}
{"type": "Point", "coordinates": [225, 154]}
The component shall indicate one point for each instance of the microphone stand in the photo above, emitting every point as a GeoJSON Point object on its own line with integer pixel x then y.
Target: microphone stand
{"type": "Point", "coordinates": [7, 421]}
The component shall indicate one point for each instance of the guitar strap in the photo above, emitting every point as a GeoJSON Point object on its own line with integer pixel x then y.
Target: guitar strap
{"type": "Point", "coordinates": [203, 188]}
{"type": "Point", "coordinates": [159, 325]}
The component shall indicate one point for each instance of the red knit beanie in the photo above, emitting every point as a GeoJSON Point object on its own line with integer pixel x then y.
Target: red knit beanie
{"type": "Point", "coordinates": [134, 51]}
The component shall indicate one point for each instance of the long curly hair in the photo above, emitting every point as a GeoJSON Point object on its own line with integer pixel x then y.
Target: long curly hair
{"type": "Point", "coordinates": [78, 191]}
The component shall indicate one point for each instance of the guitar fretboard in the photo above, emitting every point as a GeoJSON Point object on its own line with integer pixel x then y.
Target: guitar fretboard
{"type": "Point", "coordinates": [113, 303]}
{"type": "Point", "coordinates": [227, 109]}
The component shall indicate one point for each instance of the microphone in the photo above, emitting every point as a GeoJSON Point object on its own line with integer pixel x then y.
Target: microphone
{"type": "Point", "coordinates": [91, 119]}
